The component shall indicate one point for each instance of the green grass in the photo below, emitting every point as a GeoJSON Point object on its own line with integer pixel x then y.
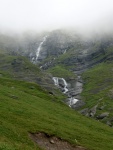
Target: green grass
{"type": "Point", "coordinates": [25, 107]}
{"type": "Point", "coordinates": [60, 71]}
{"type": "Point", "coordinates": [98, 87]}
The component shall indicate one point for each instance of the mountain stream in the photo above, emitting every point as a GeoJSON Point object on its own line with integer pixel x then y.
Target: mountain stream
{"type": "Point", "coordinates": [63, 85]}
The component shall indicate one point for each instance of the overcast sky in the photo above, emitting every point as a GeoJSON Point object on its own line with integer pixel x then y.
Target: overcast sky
{"type": "Point", "coordinates": [19, 15]}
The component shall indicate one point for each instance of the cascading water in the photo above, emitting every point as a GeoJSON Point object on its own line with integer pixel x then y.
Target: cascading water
{"type": "Point", "coordinates": [35, 59]}
{"type": "Point", "coordinates": [57, 82]}
{"type": "Point", "coordinates": [55, 79]}
{"type": "Point", "coordinates": [39, 48]}
{"type": "Point", "coordinates": [65, 85]}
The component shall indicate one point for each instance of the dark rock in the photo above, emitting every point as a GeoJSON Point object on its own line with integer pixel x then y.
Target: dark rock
{"type": "Point", "coordinates": [51, 93]}
{"type": "Point", "coordinates": [74, 93]}
{"type": "Point", "coordinates": [84, 111]}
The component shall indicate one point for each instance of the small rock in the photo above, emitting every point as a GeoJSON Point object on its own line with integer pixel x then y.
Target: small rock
{"type": "Point", "coordinates": [92, 111]}
{"type": "Point", "coordinates": [51, 141]}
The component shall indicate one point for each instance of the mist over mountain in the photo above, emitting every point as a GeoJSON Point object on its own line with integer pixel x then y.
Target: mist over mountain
{"type": "Point", "coordinates": [56, 74]}
{"type": "Point", "coordinates": [47, 15]}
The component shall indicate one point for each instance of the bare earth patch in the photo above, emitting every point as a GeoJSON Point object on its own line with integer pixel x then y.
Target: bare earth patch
{"type": "Point", "coordinates": [48, 142]}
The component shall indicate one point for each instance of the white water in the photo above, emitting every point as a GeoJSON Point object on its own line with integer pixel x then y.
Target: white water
{"type": "Point", "coordinates": [39, 48]}
{"type": "Point", "coordinates": [56, 82]}
{"type": "Point", "coordinates": [72, 100]}
{"type": "Point", "coordinates": [64, 52]}
{"type": "Point", "coordinates": [55, 79]}
{"type": "Point", "coordinates": [65, 85]}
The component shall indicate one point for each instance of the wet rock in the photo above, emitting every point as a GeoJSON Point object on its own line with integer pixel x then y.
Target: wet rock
{"type": "Point", "coordinates": [74, 93]}
{"type": "Point", "coordinates": [78, 104]}
{"type": "Point", "coordinates": [103, 115]}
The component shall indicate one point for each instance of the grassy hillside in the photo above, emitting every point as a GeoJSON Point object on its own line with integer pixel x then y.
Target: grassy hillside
{"type": "Point", "coordinates": [19, 67]}
{"type": "Point", "coordinates": [25, 107]}
{"type": "Point", "coordinates": [98, 89]}
{"type": "Point", "coordinates": [60, 71]}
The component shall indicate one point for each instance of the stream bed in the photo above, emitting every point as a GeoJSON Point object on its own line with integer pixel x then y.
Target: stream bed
{"type": "Point", "coordinates": [72, 90]}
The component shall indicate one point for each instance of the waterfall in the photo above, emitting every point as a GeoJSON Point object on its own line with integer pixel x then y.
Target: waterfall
{"type": "Point", "coordinates": [65, 85]}
{"type": "Point", "coordinates": [35, 58]}
{"type": "Point", "coordinates": [72, 101]}
{"type": "Point", "coordinates": [64, 52]}
{"type": "Point", "coordinates": [57, 82]}
{"type": "Point", "coordinates": [39, 48]}
{"type": "Point", "coordinates": [55, 79]}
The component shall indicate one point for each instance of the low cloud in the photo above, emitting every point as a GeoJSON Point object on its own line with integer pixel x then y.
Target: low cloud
{"type": "Point", "coordinates": [41, 15]}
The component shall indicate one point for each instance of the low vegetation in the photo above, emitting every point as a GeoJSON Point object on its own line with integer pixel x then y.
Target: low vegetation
{"type": "Point", "coordinates": [60, 71]}
{"type": "Point", "coordinates": [98, 88]}
{"type": "Point", "coordinates": [25, 108]}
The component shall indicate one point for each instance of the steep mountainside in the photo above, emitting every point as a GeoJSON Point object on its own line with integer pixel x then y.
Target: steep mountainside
{"type": "Point", "coordinates": [38, 73]}
{"type": "Point", "coordinates": [77, 55]}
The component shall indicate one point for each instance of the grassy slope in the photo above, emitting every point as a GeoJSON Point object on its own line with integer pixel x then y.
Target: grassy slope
{"type": "Point", "coordinates": [60, 71]}
{"type": "Point", "coordinates": [19, 67]}
{"type": "Point", "coordinates": [98, 87]}
{"type": "Point", "coordinates": [61, 67]}
{"type": "Point", "coordinates": [25, 107]}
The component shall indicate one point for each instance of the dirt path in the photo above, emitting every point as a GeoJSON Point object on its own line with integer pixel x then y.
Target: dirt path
{"type": "Point", "coordinates": [52, 143]}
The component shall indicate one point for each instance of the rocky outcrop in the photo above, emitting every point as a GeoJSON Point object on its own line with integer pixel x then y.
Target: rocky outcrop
{"type": "Point", "coordinates": [92, 111]}
{"type": "Point", "coordinates": [103, 115]}
{"type": "Point", "coordinates": [89, 112]}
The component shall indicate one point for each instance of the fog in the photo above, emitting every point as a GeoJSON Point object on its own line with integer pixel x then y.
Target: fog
{"type": "Point", "coordinates": [42, 15]}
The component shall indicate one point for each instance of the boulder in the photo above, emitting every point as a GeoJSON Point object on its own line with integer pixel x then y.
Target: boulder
{"type": "Point", "coordinates": [92, 111]}
{"type": "Point", "coordinates": [103, 115]}
{"type": "Point", "coordinates": [78, 104]}
{"type": "Point", "coordinates": [84, 111]}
